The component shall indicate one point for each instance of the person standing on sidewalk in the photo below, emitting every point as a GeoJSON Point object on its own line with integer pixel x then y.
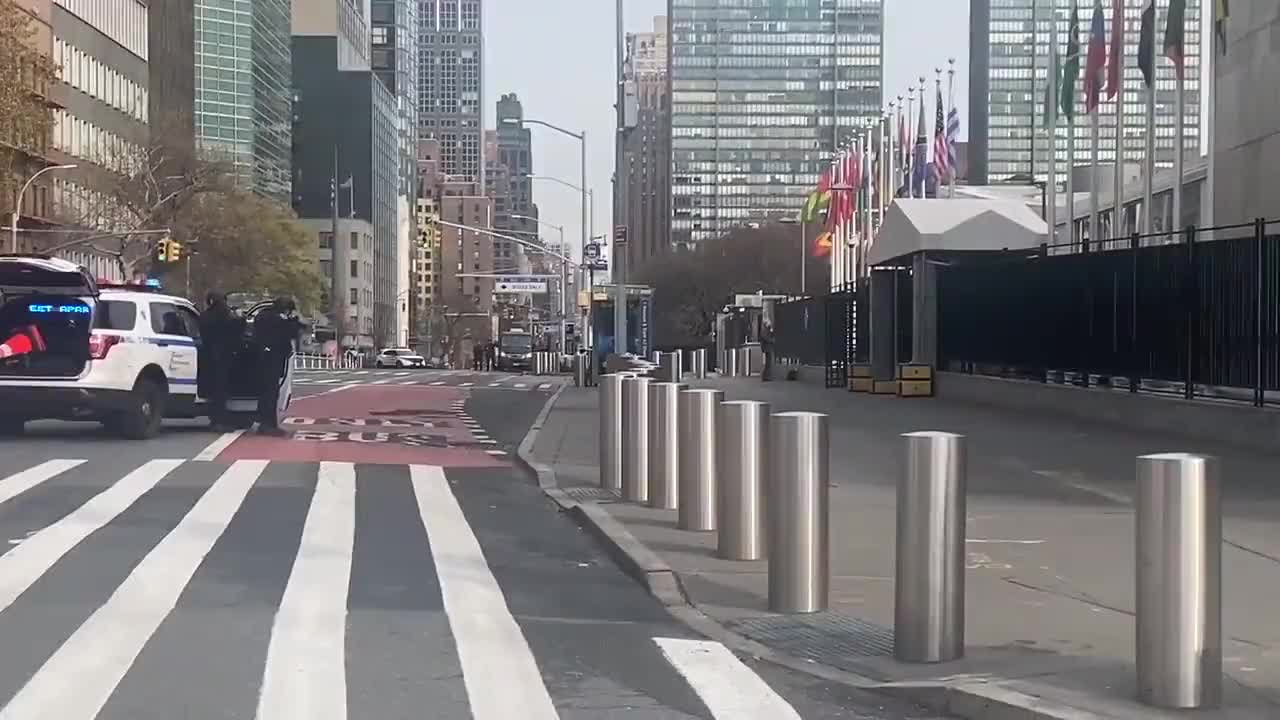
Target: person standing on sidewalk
{"type": "Point", "coordinates": [766, 349]}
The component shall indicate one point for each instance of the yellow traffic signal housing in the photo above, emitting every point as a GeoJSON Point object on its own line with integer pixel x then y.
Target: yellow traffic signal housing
{"type": "Point", "coordinates": [162, 250]}
{"type": "Point", "coordinates": [175, 251]}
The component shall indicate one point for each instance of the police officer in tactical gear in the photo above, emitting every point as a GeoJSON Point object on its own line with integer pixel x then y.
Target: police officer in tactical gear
{"type": "Point", "coordinates": [275, 330]}
{"type": "Point", "coordinates": [221, 333]}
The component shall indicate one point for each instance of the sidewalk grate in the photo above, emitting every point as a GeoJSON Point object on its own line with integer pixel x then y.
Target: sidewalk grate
{"type": "Point", "coordinates": [591, 494]}
{"type": "Point", "coordinates": [826, 637]}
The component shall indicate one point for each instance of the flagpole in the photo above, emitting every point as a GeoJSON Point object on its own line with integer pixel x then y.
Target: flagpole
{"type": "Point", "coordinates": [951, 104]}
{"type": "Point", "coordinates": [1117, 190]}
{"type": "Point", "coordinates": [833, 219]}
{"type": "Point", "coordinates": [893, 160]}
{"type": "Point", "coordinates": [907, 151]}
{"type": "Point", "coordinates": [924, 160]}
{"type": "Point", "coordinates": [1211, 179]}
{"type": "Point", "coordinates": [866, 173]}
{"type": "Point", "coordinates": [1149, 171]}
{"type": "Point", "coordinates": [1179, 142]}
{"type": "Point", "coordinates": [1094, 233]}
{"type": "Point", "coordinates": [938, 164]}
{"type": "Point", "coordinates": [1051, 115]}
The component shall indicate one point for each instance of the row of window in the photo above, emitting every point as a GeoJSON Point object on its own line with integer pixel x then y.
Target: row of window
{"type": "Point", "coordinates": [124, 21]}
{"type": "Point", "coordinates": [83, 139]}
{"type": "Point", "coordinates": [87, 74]}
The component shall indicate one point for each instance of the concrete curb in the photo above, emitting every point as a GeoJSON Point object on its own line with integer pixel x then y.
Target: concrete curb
{"type": "Point", "coordinates": [968, 700]}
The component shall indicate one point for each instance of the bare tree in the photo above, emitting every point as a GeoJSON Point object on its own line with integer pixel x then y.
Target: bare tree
{"type": "Point", "coordinates": [25, 116]}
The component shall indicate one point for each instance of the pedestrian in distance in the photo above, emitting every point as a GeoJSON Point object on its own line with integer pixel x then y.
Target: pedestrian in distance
{"type": "Point", "coordinates": [766, 349]}
{"type": "Point", "coordinates": [221, 334]}
{"type": "Point", "coordinates": [275, 330]}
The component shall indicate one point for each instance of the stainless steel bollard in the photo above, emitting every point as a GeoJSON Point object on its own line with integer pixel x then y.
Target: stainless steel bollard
{"type": "Point", "coordinates": [664, 445]}
{"type": "Point", "coordinates": [580, 365]}
{"type": "Point", "coordinates": [742, 441]}
{"type": "Point", "coordinates": [928, 614]}
{"type": "Point", "coordinates": [1179, 581]}
{"type": "Point", "coordinates": [698, 363]}
{"type": "Point", "coordinates": [611, 432]}
{"type": "Point", "coordinates": [744, 362]}
{"type": "Point", "coordinates": [635, 439]}
{"type": "Point", "coordinates": [655, 357]}
{"type": "Point", "coordinates": [698, 472]}
{"type": "Point", "coordinates": [730, 367]}
{"type": "Point", "coordinates": [798, 512]}
{"type": "Point", "coordinates": [537, 363]}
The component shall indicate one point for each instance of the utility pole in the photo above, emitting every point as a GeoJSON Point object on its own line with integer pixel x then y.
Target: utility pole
{"type": "Point", "coordinates": [337, 303]}
{"type": "Point", "coordinates": [619, 202]}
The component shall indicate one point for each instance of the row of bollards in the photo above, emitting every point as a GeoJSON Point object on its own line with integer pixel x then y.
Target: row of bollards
{"type": "Point", "coordinates": [546, 362]}
{"type": "Point", "coordinates": [760, 481]}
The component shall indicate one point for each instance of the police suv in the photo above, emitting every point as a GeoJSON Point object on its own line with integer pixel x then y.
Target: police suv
{"type": "Point", "coordinates": [125, 356]}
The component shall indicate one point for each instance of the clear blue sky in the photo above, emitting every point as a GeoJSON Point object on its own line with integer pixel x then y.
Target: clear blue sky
{"type": "Point", "coordinates": [557, 55]}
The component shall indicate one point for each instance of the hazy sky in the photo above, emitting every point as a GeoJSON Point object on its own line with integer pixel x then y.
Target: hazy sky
{"type": "Point", "coordinates": [558, 56]}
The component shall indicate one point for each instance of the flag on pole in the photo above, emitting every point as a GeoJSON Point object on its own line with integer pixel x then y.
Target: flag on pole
{"type": "Point", "coordinates": [1175, 31]}
{"type": "Point", "coordinates": [1096, 63]}
{"type": "Point", "coordinates": [1071, 68]}
{"type": "Point", "coordinates": [953, 137]}
{"type": "Point", "coordinates": [1115, 64]}
{"type": "Point", "coordinates": [919, 163]}
{"type": "Point", "coordinates": [822, 244]}
{"type": "Point", "coordinates": [1221, 11]}
{"type": "Point", "coordinates": [1052, 81]}
{"type": "Point", "coordinates": [940, 153]}
{"type": "Point", "coordinates": [1147, 43]}
{"type": "Point", "coordinates": [819, 199]}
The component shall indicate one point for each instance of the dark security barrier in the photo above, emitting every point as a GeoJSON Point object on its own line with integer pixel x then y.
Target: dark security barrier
{"type": "Point", "coordinates": [823, 331]}
{"type": "Point", "coordinates": [1194, 314]}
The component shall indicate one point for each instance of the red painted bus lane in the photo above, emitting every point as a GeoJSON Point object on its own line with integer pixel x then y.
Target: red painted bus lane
{"type": "Point", "coordinates": [376, 425]}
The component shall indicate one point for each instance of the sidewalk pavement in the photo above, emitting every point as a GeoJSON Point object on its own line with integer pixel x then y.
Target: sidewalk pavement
{"type": "Point", "coordinates": [1050, 583]}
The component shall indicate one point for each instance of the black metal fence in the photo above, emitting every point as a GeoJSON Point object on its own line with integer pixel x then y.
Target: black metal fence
{"type": "Point", "coordinates": [822, 331]}
{"type": "Point", "coordinates": [1195, 314]}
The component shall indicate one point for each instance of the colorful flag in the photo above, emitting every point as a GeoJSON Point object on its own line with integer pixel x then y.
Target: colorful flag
{"type": "Point", "coordinates": [940, 154]}
{"type": "Point", "coordinates": [1052, 81]}
{"type": "Point", "coordinates": [1221, 11]}
{"type": "Point", "coordinates": [1115, 64]}
{"type": "Point", "coordinates": [1071, 68]}
{"type": "Point", "coordinates": [1175, 30]}
{"type": "Point", "coordinates": [1096, 63]}
{"type": "Point", "coordinates": [1147, 43]}
{"type": "Point", "coordinates": [822, 244]}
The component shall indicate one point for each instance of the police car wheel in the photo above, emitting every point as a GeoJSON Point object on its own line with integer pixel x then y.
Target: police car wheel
{"type": "Point", "coordinates": [142, 421]}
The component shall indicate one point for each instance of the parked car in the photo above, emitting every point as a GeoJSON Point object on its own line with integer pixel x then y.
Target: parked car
{"type": "Point", "coordinates": [399, 358]}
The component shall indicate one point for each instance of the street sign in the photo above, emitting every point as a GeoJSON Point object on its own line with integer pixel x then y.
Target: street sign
{"type": "Point", "coordinates": [593, 251]}
{"type": "Point", "coordinates": [506, 286]}
{"type": "Point", "coordinates": [600, 265]}
{"type": "Point", "coordinates": [619, 234]}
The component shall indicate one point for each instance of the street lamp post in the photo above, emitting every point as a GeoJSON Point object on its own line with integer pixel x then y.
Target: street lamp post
{"type": "Point", "coordinates": [564, 281]}
{"type": "Point", "coordinates": [17, 204]}
{"type": "Point", "coordinates": [591, 223]}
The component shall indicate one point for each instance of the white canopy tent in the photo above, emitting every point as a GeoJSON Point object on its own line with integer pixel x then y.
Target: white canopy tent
{"type": "Point", "coordinates": [956, 225]}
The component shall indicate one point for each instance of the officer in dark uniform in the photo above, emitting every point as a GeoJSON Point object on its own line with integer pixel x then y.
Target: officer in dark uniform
{"type": "Point", "coordinates": [275, 330]}
{"type": "Point", "coordinates": [220, 334]}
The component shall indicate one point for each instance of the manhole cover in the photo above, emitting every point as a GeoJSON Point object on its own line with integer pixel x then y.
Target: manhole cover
{"type": "Point", "coordinates": [591, 494]}
{"type": "Point", "coordinates": [826, 637]}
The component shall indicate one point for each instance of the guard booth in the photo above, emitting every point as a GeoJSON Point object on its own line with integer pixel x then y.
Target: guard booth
{"type": "Point", "coordinates": [917, 242]}
{"type": "Point", "coordinates": [639, 322]}
{"type": "Point", "coordinates": [740, 324]}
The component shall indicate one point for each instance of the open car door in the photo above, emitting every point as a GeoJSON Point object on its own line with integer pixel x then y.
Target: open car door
{"type": "Point", "coordinates": [286, 381]}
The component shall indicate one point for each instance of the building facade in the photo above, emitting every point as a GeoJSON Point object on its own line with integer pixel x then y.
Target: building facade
{"type": "Point", "coordinates": [1009, 44]}
{"type": "Point", "coordinates": [242, 98]}
{"type": "Point", "coordinates": [760, 97]}
{"type": "Point", "coordinates": [171, 48]}
{"type": "Point", "coordinates": [466, 301]}
{"type": "Point", "coordinates": [646, 179]}
{"type": "Point", "coordinates": [450, 84]}
{"type": "Point", "coordinates": [1247, 126]}
{"type": "Point", "coordinates": [513, 144]}
{"type": "Point", "coordinates": [345, 134]}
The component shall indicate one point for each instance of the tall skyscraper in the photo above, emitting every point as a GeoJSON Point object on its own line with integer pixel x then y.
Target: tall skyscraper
{"type": "Point", "coordinates": [514, 145]}
{"type": "Point", "coordinates": [646, 177]}
{"type": "Point", "coordinates": [1008, 73]}
{"type": "Point", "coordinates": [451, 49]}
{"type": "Point", "coordinates": [760, 97]}
{"type": "Point", "coordinates": [242, 98]}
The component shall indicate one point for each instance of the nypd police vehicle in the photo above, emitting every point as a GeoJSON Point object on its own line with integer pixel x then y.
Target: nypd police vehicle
{"type": "Point", "coordinates": [124, 356]}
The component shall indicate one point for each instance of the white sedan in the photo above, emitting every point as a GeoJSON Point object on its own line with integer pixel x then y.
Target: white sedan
{"type": "Point", "coordinates": [399, 358]}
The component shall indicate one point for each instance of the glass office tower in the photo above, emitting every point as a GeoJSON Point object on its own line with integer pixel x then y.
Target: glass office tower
{"type": "Point", "coordinates": [242, 90]}
{"type": "Point", "coordinates": [760, 96]}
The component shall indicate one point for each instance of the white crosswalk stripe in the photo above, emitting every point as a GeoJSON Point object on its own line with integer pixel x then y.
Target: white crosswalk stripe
{"type": "Point", "coordinates": [302, 662]}
{"type": "Point", "coordinates": [431, 378]}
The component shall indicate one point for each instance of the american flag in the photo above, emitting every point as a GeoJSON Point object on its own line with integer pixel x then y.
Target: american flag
{"type": "Point", "coordinates": [953, 137]}
{"type": "Point", "coordinates": [941, 156]}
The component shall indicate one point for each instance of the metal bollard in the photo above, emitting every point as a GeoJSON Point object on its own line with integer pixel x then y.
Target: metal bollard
{"type": "Point", "coordinates": [581, 368]}
{"type": "Point", "coordinates": [928, 614]}
{"type": "Point", "coordinates": [730, 366]}
{"type": "Point", "coordinates": [698, 472]}
{"type": "Point", "coordinates": [698, 363]}
{"type": "Point", "coordinates": [655, 357]}
{"type": "Point", "coordinates": [635, 439]}
{"type": "Point", "coordinates": [742, 439]}
{"type": "Point", "coordinates": [798, 512]}
{"type": "Point", "coordinates": [1179, 581]}
{"type": "Point", "coordinates": [664, 445]}
{"type": "Point", "coordinates": [611, 432]}
{"type": "Point", "coordinates": [744, 362]}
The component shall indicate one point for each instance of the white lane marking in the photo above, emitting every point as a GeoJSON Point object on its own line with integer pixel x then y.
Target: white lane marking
{"type": "Point", "coordinates": [521, 385]}
{"type": "Point", "coordinates": [24, 564]}
{"type": "Point", "coordinates": [496, 452]}
{"type": "Point", "coordinates": [466, 384]}
{"type": "Point", "coordinates": [408, 382]}
{"type": "Point", "coordinates": [383, 381]}
{"type": "Point", "coordinates": [495, 384]}
{"type": "Point", "coordinates": [101, 651]}
{"type": "Point", "coordinates": [305, 676]}
{"type": "Point", "coordinates": [216, 447]}
{"type": "Point", "coordinates": [991, 541]}
{"type": "Point", "coordinates": [438, 382]}
{"type": "Point", "coordinates": [18, 483]}
{"type": "Point", "coordinates": [498, 669]}
{"type": "Point", "coordinates": [544, 386]}
{"type": "Point", "coordinates": [328, 381]}
{"type": "Point", "coordinates": [401, 374]}
{"type": "Point", "coordinates": [729, 689]}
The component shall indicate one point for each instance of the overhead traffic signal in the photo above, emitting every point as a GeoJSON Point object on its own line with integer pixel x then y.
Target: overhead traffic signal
{"type": "Point", "coordinates": [175, 251]}
{"type": "Point", "coordinates": [168, 250]}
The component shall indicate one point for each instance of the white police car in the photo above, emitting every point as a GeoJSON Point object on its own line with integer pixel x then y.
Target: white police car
{"type": "Point", "coordinates": [124, 356]}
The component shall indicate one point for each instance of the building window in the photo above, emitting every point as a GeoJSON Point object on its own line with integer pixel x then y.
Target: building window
{"type": "Point", "coordinates": [379, 36]}
{"type": "Point", "coordinates": [355, 268]}
{"type": "Point", "coordinates": [326, 240]}
{"type": "Point", "coordinates": [355, 242]}
{"type": "Point", "coordinates": [355, 296]}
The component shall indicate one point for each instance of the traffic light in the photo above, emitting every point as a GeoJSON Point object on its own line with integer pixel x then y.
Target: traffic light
{"type": "Point", "coordinates": [162, 250]}
{"type": "Point", "coordinates": [175, 251]}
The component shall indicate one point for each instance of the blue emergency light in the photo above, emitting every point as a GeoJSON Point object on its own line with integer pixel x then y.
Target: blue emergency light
{"type": "Point", "coordinates": [58, 309]}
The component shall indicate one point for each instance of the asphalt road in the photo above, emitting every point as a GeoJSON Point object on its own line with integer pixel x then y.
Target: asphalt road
{"type": "Point", "coordinates": [386, 560]}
